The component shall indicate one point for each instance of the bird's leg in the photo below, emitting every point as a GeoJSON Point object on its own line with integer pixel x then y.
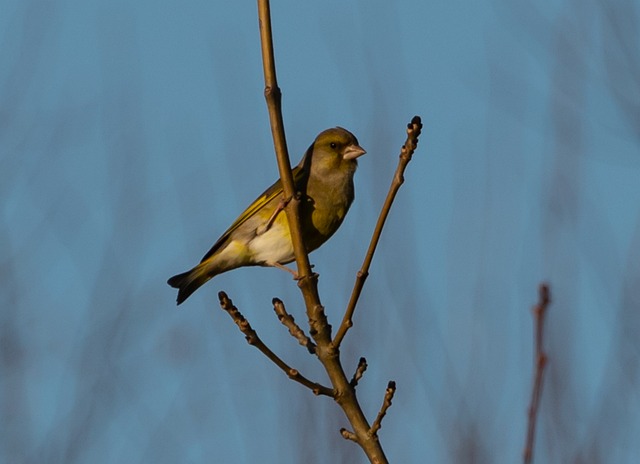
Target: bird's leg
{"type": "Point", "coordinates": [288, 269]}
{"type": "Point", "coordinates": [281, 206]}
{"type": "Point", "coordinates": [284, 268]}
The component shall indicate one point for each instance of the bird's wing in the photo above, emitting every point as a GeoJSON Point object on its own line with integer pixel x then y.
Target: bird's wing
{"type": "Point", "coordinates": [272, 192]}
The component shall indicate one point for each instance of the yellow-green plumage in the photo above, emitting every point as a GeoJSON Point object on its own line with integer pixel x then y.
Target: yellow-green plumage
{"type": "Point", "coordinates": [261, 237]}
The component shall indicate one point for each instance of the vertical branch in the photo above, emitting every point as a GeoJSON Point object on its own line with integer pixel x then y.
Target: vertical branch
{"type": "Point", "coordinates": [273, 96]}
{"type": "Point", "coordinates": [307, 281]}
{"type": "Point", "coordinates": [539, 311]}
{"type": "Point", "coordinates": [328, 355]}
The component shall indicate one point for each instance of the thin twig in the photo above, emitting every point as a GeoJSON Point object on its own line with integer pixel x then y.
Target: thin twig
{"type": "Point", "coordinates": [290, 323]}
{"type": "Point", "coordinates": [414, 129]}
{"type": "Point", "coordinates": [254, 340]}
{"type": "Point", "coordinates": [539, 311]}
{"type": "Point", "coordinates": [386, 404]}
{"type": "Point", "coordinates": [357, 375]}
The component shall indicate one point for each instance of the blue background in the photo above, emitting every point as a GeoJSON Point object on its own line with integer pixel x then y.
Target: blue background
{"type": "Point", "coordinates": [133, 133]}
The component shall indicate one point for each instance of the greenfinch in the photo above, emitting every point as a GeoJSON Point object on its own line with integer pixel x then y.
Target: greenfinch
{"type": "Point", "coordinates": [261, 237]}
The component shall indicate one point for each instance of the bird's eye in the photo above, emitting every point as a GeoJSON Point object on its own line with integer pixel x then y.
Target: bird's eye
{"type": "Point", "coordinates": [333, 145]}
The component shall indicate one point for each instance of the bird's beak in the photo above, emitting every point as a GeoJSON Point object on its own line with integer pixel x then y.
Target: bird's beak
{"type": "Point", "coordinates": [353, 151]}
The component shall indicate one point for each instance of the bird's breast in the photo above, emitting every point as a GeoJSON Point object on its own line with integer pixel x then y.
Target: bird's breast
{"type": "Point", "coordinates": [273, 245]}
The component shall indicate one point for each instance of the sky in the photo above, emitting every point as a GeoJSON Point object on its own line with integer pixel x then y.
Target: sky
{"type": "Point", "coordinates": [133, 133]}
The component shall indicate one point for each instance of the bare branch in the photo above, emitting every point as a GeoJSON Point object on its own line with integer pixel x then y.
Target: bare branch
{"type": "Point", "coordinates": [414, 129]}
{"type": "Point", "coordinates": [328, 353]}
{"type": "Point", "coordinates": [273, 96]}
{"type": "Point", "coordinates": [253, 339]}
{"type": "Point", "coordinates": [307, 280]}
{"type": "Point", "coordinates": [362, 366]}
{"type": "Point", "coordinates": [539, 311]}
{"type": "Point", "coordinates": [290, 323]}
{"type": "Point", "coordinates": [386, 404]}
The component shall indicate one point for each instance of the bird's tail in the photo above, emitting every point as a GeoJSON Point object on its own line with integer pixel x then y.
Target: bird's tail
{"type": "Point", "coordinates": [190, 281]}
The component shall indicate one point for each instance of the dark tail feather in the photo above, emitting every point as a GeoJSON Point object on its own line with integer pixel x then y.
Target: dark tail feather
{"type": "Point", "coordinates": [188, 282]}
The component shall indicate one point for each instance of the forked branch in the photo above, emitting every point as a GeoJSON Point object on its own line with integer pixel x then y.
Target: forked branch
{"type": "Point", "coordinates": [254, 340]}
{"type": "Point", "coordinates": [327, 351]}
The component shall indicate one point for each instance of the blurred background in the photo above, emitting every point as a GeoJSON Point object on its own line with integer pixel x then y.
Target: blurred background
{"type": "Point", "coordinates": [133, 133]}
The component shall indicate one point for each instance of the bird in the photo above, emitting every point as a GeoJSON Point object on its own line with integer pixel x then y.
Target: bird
{"type": "Point", "coordinates": [260, 236]}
